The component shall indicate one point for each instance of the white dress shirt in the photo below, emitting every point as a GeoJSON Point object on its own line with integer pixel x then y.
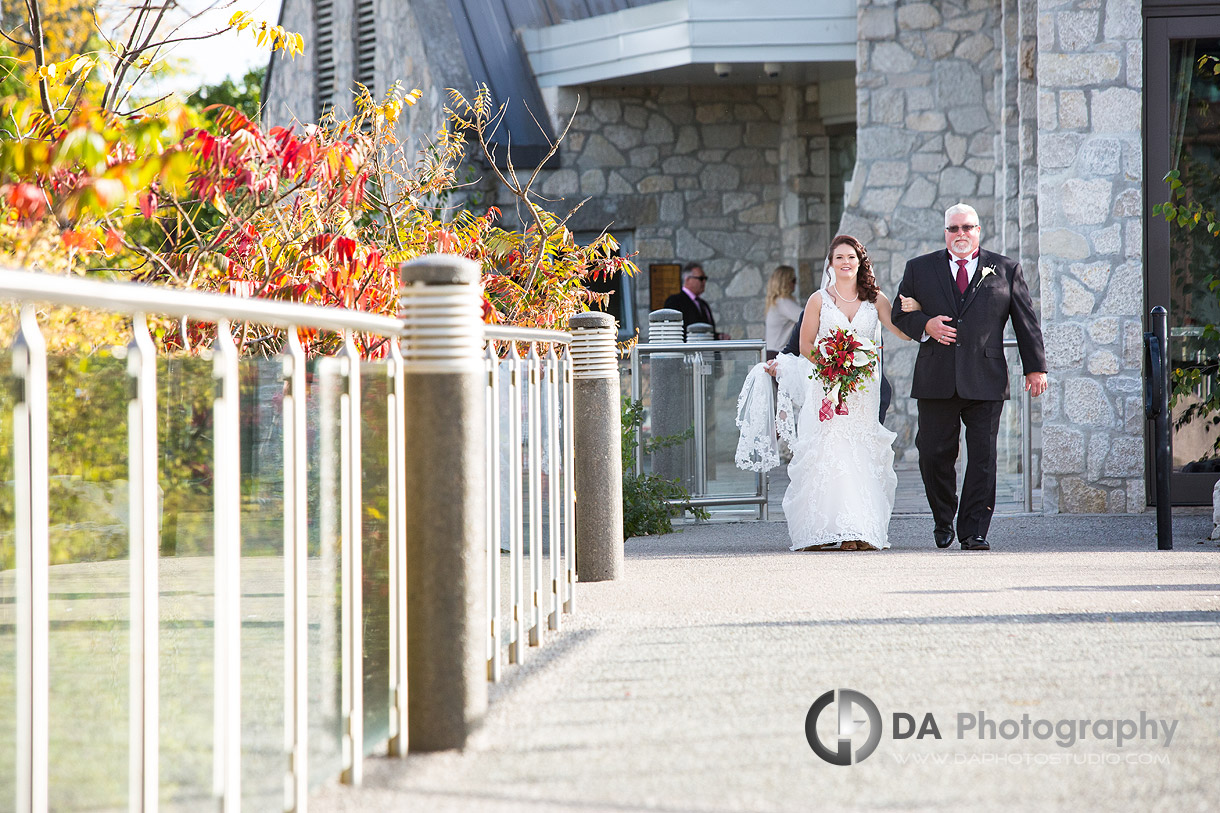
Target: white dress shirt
{"type": "Point", "coordinates": [972, 265]}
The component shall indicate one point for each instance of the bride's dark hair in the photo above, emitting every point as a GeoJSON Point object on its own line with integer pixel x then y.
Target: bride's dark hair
{"type": "Point", "coordinates": [866, 283]}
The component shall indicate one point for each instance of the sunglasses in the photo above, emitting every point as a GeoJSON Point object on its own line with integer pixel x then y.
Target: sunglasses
{"type": "Point", "coordinates": [963, 229]}
{"type": "Point", "coordinates": [702, 279]}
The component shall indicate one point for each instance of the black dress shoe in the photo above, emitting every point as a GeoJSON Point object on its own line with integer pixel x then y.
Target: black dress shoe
{"type": "Point", "coordinates": [944, 538]}
{"type": "Point", "coordinates": [975, 543]}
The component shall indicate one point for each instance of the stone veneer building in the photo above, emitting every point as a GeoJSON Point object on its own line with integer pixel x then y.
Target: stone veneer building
{"type": "Point", "coordinates": [747, 137]}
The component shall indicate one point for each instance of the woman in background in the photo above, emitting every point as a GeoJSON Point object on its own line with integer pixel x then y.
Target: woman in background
{"type": "Point", "coordinates": [781, 309]}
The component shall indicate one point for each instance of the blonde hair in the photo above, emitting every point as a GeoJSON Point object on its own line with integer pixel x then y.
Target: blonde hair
{"type": "Point", "coordinates": [780, 286]}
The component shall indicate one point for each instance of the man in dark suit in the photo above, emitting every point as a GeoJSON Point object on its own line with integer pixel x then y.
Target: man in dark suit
{"type": "Point", "coordinates": [967, 296]}
{"type": "Point", "coordinates": [689, 301]}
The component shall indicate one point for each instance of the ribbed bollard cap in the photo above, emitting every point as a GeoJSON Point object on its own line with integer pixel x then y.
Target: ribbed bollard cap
{"type": "Point", "coordinates": [593, 355]}
{"type": "Point", "coordinates": [441, 269]}
{"type": "Point", "coordinates": [665, 326]}
{"type": "Point", "coordinates": [699, 332]}
{"type": "Point", "coordinates": [442, 311]}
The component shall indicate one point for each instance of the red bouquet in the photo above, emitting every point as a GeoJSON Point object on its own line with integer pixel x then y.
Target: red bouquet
{"type": "Point", "coordinates": [843, 362]}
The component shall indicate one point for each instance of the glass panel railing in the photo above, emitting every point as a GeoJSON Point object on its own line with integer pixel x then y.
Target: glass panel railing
{"type": "Point", "coordinates": [90, 579]}
{"type": "Point", "coordinates": [1010, 483]}
{"type": "Point", "coordinates": [324, 517]}
{"type": "Point", "coordinates": [666, 387]}
{"type": "Point", "coordinates": [375, 542]}
{"type": "Point", "coordinates": [689, 431]}
{"type": "Point", "coordinates": [724, 374]}
{"type": "Point", "coordinates": [8, 595]}
{"type": "Point", "coordinates": [187, 578]}
{"type": "Point", "coordinates": [264, 762]}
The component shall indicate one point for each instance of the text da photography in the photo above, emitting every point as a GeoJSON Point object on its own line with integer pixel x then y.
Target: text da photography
{"type": "Point", "coordinates": [844, 727]}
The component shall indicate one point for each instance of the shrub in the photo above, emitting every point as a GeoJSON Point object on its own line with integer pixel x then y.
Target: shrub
{"type": "Point", "coordinates": [645, 507]}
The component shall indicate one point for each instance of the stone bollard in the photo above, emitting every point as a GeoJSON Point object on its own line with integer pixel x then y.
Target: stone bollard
{"type": "Point", "coordinates": [669, 393]}
{"type": "Point", "coordinates": [444, 495]}
{"type": "Point", "coordinates": [598, 439]}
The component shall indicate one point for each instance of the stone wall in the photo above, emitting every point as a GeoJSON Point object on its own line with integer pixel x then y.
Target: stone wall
{"type": "Point", "coordinates": [731, 175]}
{"type": "Point", "coordinates": [927, 131]}
{"type": "Point", "coordinates": [417, 45]}
{"type": "Point", "coordinates": [1090, 171]}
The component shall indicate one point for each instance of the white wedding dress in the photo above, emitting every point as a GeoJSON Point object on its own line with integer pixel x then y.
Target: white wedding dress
{"type": "Point", "coordinates": [842, 470]}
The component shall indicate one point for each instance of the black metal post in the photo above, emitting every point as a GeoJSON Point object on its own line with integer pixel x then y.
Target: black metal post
{"type": "Point", "coordinates": [1156, 407]}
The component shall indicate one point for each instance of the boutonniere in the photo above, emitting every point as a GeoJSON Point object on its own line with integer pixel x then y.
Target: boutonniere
{"type": "Point", "coordinates": [987, 272]}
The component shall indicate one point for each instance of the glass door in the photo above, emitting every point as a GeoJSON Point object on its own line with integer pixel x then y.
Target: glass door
{"type": "Point", "coordinates": [1182, 132]}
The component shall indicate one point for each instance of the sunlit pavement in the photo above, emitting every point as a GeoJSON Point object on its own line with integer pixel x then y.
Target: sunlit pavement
{"type": "Point", "coordinates": [686, 685]}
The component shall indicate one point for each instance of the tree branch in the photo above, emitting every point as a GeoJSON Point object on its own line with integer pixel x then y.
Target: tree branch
{"type": "Point", "coordinates": [40, 57]}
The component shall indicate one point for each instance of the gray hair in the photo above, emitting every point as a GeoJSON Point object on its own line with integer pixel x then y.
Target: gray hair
{"type": "Point", "coordinates": [960, 209]}
{"type": "Point", "coordinates": [690, 269]}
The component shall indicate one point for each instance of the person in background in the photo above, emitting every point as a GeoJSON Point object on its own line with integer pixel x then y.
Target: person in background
{"type": "Point", "coordinates": [689, 301]}
{"type": "Point", "coordinates": [781, 308]}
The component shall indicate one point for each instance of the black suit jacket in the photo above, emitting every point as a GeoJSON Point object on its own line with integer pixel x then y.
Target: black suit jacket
{"type": "Point", "coordinates": [974, 366]}
{"type": "Point", "coordinates": [793, 348]}
{"type": "Point", "coordinates": [690, 311]}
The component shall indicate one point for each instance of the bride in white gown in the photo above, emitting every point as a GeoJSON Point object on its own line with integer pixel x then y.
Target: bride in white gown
{"type": "Point", "coordinates": [842, 471]}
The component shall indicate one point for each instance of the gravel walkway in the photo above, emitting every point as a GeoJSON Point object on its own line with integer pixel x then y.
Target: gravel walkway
{"type": "Point", "coordinates": [685, 685]}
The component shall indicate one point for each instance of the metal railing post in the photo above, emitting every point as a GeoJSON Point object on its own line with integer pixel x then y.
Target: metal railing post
{"type": "Point", "coordinates": [144, 790]}
{"type": "Point", "coordinates": [397, 554]}
{"type": "Point", "coordinates": [441, 308]}
{"type": "Point", "coordinates": [516, 513]}
{"type": "Point", "coordinates": [569, 487]}
{"type": "Point", "coordinates": [534, 430]}
{"type": "Point", "coordinates": [296, 584]}
{"type": "Point", "coordinates": [1156, 407]}
{"type": "Point", "coordinates": [226, 425]}
{"type": "Point", "coordinates": [553, 456]}
{"type": "Point", "coordinates": [351, 559]}
{"type": "Point", "coordinates": [33, 564]}
{"type": "Point", "coordinates": [597, 420]}
{"type": "Point", "coordinates": [495, 664]}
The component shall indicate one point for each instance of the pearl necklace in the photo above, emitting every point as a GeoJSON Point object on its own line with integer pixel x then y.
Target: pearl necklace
{"type": "Point", "coordinates": [840, 295]}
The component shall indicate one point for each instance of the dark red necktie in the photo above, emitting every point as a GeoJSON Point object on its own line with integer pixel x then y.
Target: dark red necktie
{"type": "Point", "coordinates": [703, 308]}
{"type": "Point", "coordinates": [962, 280]}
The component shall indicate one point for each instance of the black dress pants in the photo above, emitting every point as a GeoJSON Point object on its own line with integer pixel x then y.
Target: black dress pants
{"type": "Point", "coordinates": [940, 422]}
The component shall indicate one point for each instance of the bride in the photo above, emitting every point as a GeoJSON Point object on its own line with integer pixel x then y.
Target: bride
{"type": "Point", "coordinates": [842, 471]}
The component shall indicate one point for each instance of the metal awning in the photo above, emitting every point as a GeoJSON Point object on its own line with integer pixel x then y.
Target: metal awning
{"type": "Point", "coordinates": [695, 41]}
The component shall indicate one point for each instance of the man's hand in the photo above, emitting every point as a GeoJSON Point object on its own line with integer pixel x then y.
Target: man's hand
{"type": "Point", "coordinates": [1035, 384]}
{"type": "Point", "coordinates": [724, 337]}
{"type": "Point", "coordinates": [938, 328]}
